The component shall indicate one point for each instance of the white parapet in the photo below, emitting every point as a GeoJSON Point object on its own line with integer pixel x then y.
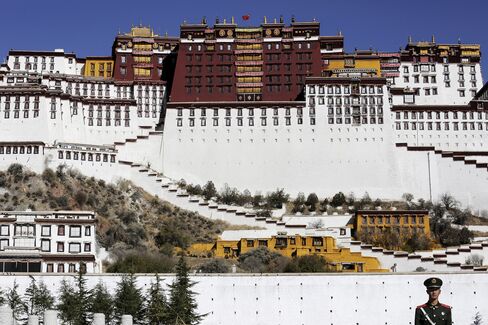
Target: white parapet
{"type": "Point", "coordinates": [126, 320]}
{"type": "Point", "coordinates": [33, 320]}
{"type": "Point", "coordinates": [6, 315]}
{"type": "Point", "coordinates": [98, 319]}
{"type": "Point", "coordinates": [50, 317]}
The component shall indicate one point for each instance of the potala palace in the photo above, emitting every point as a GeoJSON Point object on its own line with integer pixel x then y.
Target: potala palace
{"type": "Point", "coordinates": [259, 108]}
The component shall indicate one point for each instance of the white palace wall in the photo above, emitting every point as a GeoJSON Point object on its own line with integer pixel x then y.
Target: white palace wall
{"type": "Point", "coordinates": [313, 158]}
{"type": "Point", "coordinates": [336, 299]}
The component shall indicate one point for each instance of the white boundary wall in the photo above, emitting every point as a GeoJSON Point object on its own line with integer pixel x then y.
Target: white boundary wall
{"type": "Point", "coordinates": [336, 299]}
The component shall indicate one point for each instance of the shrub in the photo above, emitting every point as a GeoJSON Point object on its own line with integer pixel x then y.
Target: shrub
{"type": "Point", "coordinates": [475, 260]}
{"type": "Point", "coordinates": [49, 176]}
{"type": "Point", "coordinates": [306, 264]}
{"type": "Point", "coordinates": [262, 260]}
{"type": "Point", "coordinates": [214, 266]}
{"type": "Point", "coordinates": [138, 262]}
{"type": "Point", "coordinates": [209, 190]}
{"type": "Point", "coordinates": [276, 199]}
{"type": "Point", "coordinates": [312, 201]}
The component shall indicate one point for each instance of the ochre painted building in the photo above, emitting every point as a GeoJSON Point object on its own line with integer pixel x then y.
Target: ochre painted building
{"type": "Point", "coordinates": [99, 66]}
{"type": "Point", "coordinates": [294, 245]}
{"type": "Point", "coordinates": [401, 221]}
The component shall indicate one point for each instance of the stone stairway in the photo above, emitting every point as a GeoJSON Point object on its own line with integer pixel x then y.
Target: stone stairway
{"type": "Point", "coordinates": [451, 259]}
{"type": "Point", "coordinates": [477, 159]}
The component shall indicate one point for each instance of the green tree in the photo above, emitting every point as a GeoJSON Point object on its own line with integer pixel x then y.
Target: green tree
{"type": "Point", "coordinates": [209, 190]}
{"type": "Point", "coordinates": [338, 200]}
{"type": "Point", "coordinates": [66, 302]}
{"type": "Point", "coordinates": [312, 201]}
{"type": "Point", "coordinates": [15, 301]}
{"type": "Point", "coordinates": [2, 297]}
{"type": "Point", "coordinates": [74, 301]}
{"type": "Point", "coordinates": [299, 203]}
{"type": "Point", "coordinates": [128, 299]}
{"type": "Point", "coordinates": [182, 304]}
{"type": "Point", "coordinates": [38, 297]}
{"type": "Point", "coordinates": [157, 310]}
{"type": "Point", "coordinates": [102, 302]}
{"type": "Point", "coordinates": [276, 199]}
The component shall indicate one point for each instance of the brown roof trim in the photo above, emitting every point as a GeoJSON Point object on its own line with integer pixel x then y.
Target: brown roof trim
{"type": "Point", "coordinates": [65, 221]}
{"type": "Point", "coordinates": [46, 53]}
{"type": "Point", "coordinates": [440, 108]}
{"type": "Point", "coordinates": [22, 143]}
{"type": "Point", "coordinates": [341, 80]}
{"type": "Point", "coordinates": [64, 257]}
{"type": "Point", "coordinates": [174, 105]}
{"type": "Point", "coordinates": [383, 212]}
{"type": "Point", "coordinates": [101, 57]}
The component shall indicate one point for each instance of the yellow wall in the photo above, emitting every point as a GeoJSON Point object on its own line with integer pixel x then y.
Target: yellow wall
{"type": "Point", "coordinates": [338, 259]}
{"type": "Point", "coordinates": [358, 63]}
{"type": "Point", "coordinates": [405, 221]}
{"type": "Point", "coordinates": [99, 68]}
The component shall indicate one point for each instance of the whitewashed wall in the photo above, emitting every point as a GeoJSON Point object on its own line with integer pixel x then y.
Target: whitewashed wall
{"type": "Point", "coordinates": [336, 299]}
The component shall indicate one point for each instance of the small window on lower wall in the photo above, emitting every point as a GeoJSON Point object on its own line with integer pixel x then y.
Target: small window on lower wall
{"type": "Point", "coordinates": [49, 268]}
{"type": "Point", "coordinates": [72, 268]}
{"type": "Point", "coordinates": [61, 268]}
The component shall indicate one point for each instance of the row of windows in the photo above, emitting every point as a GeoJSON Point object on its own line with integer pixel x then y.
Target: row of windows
{"type": "Point", "coordinates": [432, 68]}
{"type": "Point", "coordinates": [61, 268]}
{"type": "Point", "coordinates": [439, 126]}
{"type": "Point", "coordinates": [258, 46]}
{"type": "Point", "coordinates": [288, 121]}
{"type": "Point", "coordinates": [19, 150]}
{"type": "Point", "coordinates": [240, 111]}
{"type": "Point", "coordinates": [34, 66]}
{"type": "Point", "coordinates": [346, 100]}
{"type": "Point", "coordinates": [60, 247]}
{"type": "Point", "coordinates": [29, 230]}
{"type": "Point", "coordinates": [36, 59]}
{"type": "Point", "coordinates": [345, 89]}
{"type": "Point", "coordinates": [438, 115]}
{"type": "Point", "coordinates": [75, 155]}
{"type": "Point", "coordinates": [395, 220]}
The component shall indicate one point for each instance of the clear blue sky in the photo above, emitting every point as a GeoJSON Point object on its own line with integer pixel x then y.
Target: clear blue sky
{"type": "Point", "coordinates": [88, 27]}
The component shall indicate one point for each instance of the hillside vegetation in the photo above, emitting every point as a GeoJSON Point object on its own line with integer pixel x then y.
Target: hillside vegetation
{"type": "Point", "coordinates": [130, 221]}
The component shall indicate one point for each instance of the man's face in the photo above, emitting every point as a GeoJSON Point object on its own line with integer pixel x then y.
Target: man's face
{"type": "Point", "coordinates": [433, 293]}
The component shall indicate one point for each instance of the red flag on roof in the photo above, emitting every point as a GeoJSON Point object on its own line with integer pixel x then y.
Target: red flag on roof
{"type": "Point", "coordinates": [246, 17]}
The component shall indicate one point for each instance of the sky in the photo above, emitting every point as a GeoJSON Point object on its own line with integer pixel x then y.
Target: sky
{"type": "Point", "coordinates": [88, 27]}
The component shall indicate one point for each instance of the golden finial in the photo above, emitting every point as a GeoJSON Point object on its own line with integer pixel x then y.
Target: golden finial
{"type": "Point", "coordinates": [233, 20]}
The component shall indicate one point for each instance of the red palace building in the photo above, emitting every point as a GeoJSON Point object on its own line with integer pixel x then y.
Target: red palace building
{"type": "Point", "coordinates": [226, 62]}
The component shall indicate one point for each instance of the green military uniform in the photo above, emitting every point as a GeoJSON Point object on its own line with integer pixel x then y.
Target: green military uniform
{"type": "Point", "coordinates": [428, 314]}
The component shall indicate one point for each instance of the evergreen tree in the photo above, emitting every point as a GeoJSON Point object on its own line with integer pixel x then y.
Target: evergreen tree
{"type": "Point", "coordinates": [74, 301]}
{"type": "Point", "coordinates": [38, 297]}
{"type": "Point", "coordinates": [157, 306]}
{"type": "Point", "coordinates": [102, 302]}
{"type": "Point", "coordinates": [182, 304]}
{"type": "Point", "coordinates": [2, 297]}
{"type": "Point", "coordinates": [66, 302]}
{"type": "Point", "coordinates": [128, 299]}
{"type": "Point", "coordinates": [18, 305]}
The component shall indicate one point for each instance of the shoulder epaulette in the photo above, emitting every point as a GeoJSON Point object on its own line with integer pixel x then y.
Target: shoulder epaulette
{"type": "Point", "coordinates": [446, 306]}
{"type": "Point", "coordinates": [422, 306]}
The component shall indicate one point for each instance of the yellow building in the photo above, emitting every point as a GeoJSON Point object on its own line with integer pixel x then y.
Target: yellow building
{"type": "Point", "coordinates": [234, 243]}
{"type": "Point", "coordinates": [362, 63]}
{"type": "Point", "coordinates": [99, 66]}
{"type": "Point", "coordinates": [401, 221]}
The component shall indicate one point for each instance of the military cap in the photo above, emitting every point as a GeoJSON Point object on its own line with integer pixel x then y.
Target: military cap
{"type": "Point", "coordinates": [433, 283]}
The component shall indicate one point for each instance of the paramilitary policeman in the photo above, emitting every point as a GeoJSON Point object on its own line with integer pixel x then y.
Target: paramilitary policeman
{"type": "Point", "coordinates": [433, 312]}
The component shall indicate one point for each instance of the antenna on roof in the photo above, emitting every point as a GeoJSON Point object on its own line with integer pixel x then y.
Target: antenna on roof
{"type": "Point", "coordinates": [433, 38]}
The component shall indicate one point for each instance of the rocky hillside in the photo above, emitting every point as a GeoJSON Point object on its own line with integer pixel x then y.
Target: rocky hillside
{"type": "Point", "coordinates": [128, 217]}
